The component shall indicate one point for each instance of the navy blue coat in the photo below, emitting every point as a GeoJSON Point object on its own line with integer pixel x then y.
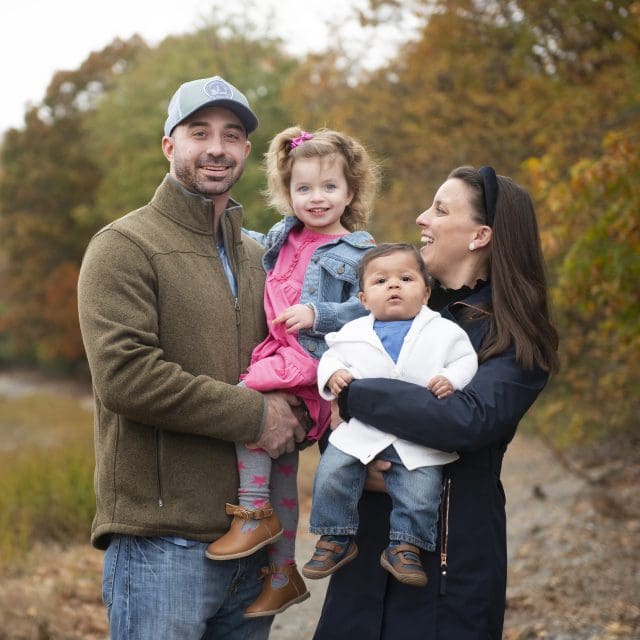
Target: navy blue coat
{"type": "Point", "coordinates": [465, 596]}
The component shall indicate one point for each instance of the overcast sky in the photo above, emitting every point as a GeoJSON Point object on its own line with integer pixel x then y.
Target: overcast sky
{"type": "Point", "coordinates": [40, 37]}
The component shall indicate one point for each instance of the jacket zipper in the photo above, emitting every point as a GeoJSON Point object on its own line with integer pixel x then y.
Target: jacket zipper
{"type": "Point", "coordinates": [234, 268]}
{"type": "Point", "coordinates": [233, 262]}
{"type": "Point", "coordinates": [159, 478]}
{"type": "Point", "coordinates": [444, 534]}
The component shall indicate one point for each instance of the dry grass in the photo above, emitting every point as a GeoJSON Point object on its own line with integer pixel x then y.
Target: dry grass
{"type": "Point", "coordinates": [46, 468]}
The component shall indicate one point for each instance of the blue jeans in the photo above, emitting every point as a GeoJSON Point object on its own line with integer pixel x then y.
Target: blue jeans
{"type": "Point", "coordinates": [154, 588]}
{"type": "Point", "coordinates": [415, 497]}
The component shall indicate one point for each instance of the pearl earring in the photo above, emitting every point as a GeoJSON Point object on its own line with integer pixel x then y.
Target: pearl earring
{"type": "Point", "coordinates": [472, 246]}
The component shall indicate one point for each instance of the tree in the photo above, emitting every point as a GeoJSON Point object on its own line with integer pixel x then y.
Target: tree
{"type": "Point", "coordinates": [591, 234]}
{"type": "Point", "coordinates": [492, 82]}
{"type": "Point", "coordinates": [129, 154]}
{"type": "Point", "coordinates": [48, 181]}
{"type": "Point", "coordinates": [91, 152]}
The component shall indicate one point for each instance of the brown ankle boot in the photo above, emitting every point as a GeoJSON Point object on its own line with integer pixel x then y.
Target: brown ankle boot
{"type": "Point", "coordinates": [274, 600]}
{"type": "Point", "coordinates": [240, 544]}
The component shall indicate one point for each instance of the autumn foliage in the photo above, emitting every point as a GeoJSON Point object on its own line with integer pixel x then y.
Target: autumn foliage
{"type": "Point", "coordinates": [591, 235]}
{"type": "Point", "coordinates": [547, 92]}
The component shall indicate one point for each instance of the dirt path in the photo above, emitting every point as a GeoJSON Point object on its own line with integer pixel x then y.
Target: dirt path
{"type": "Point", "coordinates": [574, 552]}
{"type": "Point", "coordinates": [574, 566]}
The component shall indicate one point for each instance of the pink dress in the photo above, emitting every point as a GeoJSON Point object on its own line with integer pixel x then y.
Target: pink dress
{"type": "Point", "coordinates": [279, 362]}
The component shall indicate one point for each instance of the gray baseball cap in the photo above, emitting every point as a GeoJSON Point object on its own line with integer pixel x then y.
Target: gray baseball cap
{"type": "Point", "coordinates": [208, 92]}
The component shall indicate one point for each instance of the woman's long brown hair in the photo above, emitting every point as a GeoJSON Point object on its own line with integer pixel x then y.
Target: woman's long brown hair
{"type": "Point", "coordinates": [520, 308]}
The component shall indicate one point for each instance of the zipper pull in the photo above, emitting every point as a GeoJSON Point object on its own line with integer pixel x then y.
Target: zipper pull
{"type": "Point", "coordinates": [444, 534]}
{"type": "Point", "coordinates": [443, 573]}
{"type": "Point", "coordinates": [237, 308]}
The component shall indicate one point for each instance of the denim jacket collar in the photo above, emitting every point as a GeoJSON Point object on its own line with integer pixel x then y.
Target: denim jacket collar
{"type": "Point", "coordinates": [359, 239]}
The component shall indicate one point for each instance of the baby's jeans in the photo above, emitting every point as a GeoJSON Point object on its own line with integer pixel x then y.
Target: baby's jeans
{"type": "Point", "coordinates": [415, 497]}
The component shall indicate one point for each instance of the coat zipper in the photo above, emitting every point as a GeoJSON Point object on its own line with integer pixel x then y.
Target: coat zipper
{"type": "Point", "coordinates": [234, 268]}
{"type": "Point", "coordinates": [444, 534]}
{"type": "Point", "coordinates": [233, 262]}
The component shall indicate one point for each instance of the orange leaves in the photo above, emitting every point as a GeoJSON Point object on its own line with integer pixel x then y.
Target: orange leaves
{"type": "Point", "coordinates": [62, 340]}
{"type": "Point", "coordinates": [594, 216]}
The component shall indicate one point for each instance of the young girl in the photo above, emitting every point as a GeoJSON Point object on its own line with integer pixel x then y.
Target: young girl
{"type": "Point", "coordinates": [326, 182]}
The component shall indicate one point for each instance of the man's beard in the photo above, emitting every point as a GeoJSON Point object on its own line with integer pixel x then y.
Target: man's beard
{"type": "Point", "coordinates": [205, 186]}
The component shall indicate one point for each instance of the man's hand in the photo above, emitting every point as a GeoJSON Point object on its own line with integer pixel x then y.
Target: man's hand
{"type": "Point", "coordinates": [440, 387]}
{"type": "Point", "coordinates": [282, 426]}
{"type": "Point", "coordinates": [338, 381]}
{"type": "Point", "coordinates": [375, 476]}
{"type": "Point", "coordinates": [299, 316]}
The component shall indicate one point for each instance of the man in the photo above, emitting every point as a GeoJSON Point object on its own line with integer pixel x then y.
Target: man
{"type": "Point", "coordinates": [170, 304]}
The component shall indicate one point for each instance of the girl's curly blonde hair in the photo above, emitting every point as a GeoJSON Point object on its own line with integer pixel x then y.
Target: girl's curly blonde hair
{"type": "Point", "coordinates": [361, 172]}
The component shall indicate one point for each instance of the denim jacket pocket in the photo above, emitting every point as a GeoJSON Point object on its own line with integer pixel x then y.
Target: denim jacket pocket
{"type": "Point", "coordinates": [337, 273]}
{"type": "Point", "coordinates": [340, 266]}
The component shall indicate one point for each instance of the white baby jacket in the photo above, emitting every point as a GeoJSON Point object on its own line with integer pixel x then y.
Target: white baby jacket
{"type": "Point", "coordinates": [432, 346]}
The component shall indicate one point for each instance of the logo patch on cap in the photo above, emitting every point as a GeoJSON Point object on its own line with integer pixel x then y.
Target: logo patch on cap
{"type": "Point", "coordinates": [218, 89]}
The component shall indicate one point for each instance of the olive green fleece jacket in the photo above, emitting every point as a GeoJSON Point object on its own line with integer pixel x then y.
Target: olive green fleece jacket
{"type": "Point", "coordinates": [166, 342]}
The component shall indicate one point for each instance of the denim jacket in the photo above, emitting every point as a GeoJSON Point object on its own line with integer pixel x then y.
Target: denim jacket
{"type": "Point", "coordinates": [330, 284]}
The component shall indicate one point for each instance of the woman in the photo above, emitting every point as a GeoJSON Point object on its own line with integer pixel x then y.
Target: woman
{"type": "Point", "coordinates": [481, 244]}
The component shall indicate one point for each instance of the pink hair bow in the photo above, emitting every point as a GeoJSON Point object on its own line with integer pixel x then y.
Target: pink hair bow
{"type": "Point", "coordinates": [297, 141]}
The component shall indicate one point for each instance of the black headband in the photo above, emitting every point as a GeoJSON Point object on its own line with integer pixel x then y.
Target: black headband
{"type": "Point", "coordinates": [490, 192]}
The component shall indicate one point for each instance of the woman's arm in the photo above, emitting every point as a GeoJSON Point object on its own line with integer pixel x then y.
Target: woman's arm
{"type": "Point", "coordinates": [485, 412]}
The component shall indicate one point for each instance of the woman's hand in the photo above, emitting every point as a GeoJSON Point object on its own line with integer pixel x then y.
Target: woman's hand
{"type": "Point", "coordinates": [299, 316]}
{"type": "Point", "coordinates": [375, 476]}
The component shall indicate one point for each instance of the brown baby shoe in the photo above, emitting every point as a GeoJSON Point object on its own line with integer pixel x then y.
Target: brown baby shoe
{"type": "Point", "coordinates": [402, 561]}
{"type": "Point", "coordinates": [329, 556]}
{"type": "Point", "coordinates": [237, 543]}
{"type": "Point", "coordinates": [274, 600]}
